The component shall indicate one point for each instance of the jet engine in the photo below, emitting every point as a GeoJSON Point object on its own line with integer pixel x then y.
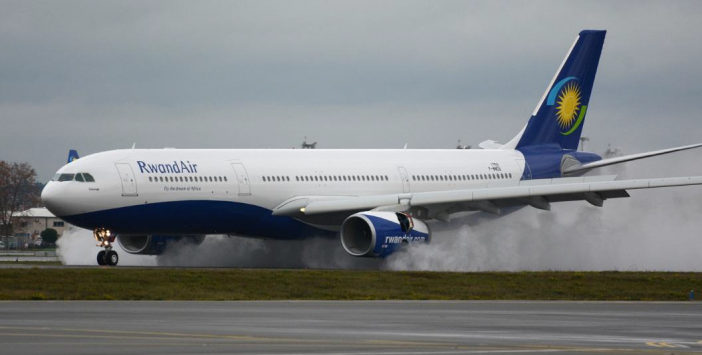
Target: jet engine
{"type": "Point", "coordinates": [153, 244]}
{"type": "Point", "coordinates": [381, 233]}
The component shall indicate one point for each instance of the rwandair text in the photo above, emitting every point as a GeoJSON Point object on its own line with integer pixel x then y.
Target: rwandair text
{"type": "Point", "coordinates": [182, 167]}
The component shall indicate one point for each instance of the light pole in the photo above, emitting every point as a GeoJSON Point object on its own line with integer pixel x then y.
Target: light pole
{"type": "Point", "coordinates": [582, 143]}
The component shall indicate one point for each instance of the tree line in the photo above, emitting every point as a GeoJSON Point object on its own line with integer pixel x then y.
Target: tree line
{"type": "Point", "coordinates": [19, 191]}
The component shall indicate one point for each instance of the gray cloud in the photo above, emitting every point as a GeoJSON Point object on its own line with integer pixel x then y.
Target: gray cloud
{"type": "Point", "coordinates": [102, 75]}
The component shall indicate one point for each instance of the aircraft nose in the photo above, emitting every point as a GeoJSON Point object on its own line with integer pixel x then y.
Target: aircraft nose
{"type": "Point", "coordinates": [50, 197]}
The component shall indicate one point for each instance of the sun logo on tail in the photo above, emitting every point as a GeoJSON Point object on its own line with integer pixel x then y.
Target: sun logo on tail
{"type": "Point", "coordinates": [568, 105]}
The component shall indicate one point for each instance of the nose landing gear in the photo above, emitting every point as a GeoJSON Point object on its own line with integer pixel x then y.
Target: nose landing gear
{"type": "Point", "coordinates": [105, 239]}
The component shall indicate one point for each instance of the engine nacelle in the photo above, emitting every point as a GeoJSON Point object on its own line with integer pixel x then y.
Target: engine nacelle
{"type": "Point", "coordinates": [153, 244]}
{"type": "Point", "coordinates": [381, 233]}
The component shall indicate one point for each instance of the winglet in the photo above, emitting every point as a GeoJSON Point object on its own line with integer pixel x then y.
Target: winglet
{"type": "Point", "coordinates": [72, 155]}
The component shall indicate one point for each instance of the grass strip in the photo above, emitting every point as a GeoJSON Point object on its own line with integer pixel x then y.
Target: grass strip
{"type": "Point", "coordinates": [277, 284]}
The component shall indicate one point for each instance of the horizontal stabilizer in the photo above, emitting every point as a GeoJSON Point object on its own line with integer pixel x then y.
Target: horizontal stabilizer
{"type": "Point", "coordinates": [490, 144]}
{"type": "Point", "coordinates": [616, 160]}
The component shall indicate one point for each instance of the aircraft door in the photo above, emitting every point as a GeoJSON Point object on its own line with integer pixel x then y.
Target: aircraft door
{"type": "Point", "coordinates": [405, 179]}
{"type": "Point", "coordinates": [242, 179]}
{"type": "Point", "coordinates": [126, 176]}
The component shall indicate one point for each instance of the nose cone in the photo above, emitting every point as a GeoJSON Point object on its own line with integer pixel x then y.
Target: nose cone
{"type": "Point", "coordinates": [50, 198]}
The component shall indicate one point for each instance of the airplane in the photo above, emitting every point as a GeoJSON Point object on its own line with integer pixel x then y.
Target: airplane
{"type": "Point", "coordinates": [374, 200]}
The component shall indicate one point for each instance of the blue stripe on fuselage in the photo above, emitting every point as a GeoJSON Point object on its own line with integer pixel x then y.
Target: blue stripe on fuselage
{"type": "Point", "coordinates": [196, 217]}
{"type": "Point", "coordinates": [544, 161]}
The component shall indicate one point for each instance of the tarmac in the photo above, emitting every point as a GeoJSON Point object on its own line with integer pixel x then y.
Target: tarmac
{"type": "Point", "coordinates": [349, 327]}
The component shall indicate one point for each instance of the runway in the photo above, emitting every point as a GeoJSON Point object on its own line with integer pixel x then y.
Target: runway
{"type": "Point", "coordinates": [330, 327]}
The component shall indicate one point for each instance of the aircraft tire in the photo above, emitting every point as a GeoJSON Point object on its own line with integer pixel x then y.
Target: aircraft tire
{"type": "Point", "coordinates": [101, 257]}
{"type": "Point", "coordinates": [112, 258]}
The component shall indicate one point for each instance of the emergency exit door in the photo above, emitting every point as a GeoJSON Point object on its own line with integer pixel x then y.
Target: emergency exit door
{"type": "Point", "coordinates": [405, 179]}
{"type": "Point", "coordinates": [126, 176]}
{"type": "Point", "coordinates": [242, 178]}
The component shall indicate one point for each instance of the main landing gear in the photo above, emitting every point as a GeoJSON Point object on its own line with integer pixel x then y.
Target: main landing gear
{"type": "Point", "coordinates": [105, 239]}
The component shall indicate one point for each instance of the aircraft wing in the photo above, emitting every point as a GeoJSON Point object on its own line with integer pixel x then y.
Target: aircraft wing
{"type": "Point", "coordinates": [537, 193]}
{"type": "Point", "coordinates": [616, 160]}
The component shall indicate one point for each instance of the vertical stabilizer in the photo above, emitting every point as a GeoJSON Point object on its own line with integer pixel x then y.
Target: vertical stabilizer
{"type": "Point", "coordinates": [560, 115]}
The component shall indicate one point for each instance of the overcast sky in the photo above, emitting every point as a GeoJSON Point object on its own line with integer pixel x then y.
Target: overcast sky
{"type": "Point", "coordinates": [99, 75]}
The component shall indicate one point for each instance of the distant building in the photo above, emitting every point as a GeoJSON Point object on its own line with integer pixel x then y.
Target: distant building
{"type": "Point", "coordinates": [306, 145]}
{"type": "Point", "coordinates": [29, 224]}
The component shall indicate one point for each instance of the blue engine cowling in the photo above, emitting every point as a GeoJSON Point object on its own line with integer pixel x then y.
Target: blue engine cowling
{"type": "Point", "coordinates": [381, 233]}
{"type": "Point", "coordinates": [153, 244]}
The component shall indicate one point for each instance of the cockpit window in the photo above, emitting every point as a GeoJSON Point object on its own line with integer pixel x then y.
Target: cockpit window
{"type": "Point", "coordinates": [80, 177]}
{"type": "Point", "coordinates": [65, 177]}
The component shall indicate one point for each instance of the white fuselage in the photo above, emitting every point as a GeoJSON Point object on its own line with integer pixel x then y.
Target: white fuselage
{"type": "Point", "coordinates": [264, 178]}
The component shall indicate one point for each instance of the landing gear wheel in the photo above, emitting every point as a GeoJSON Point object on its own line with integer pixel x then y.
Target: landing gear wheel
{"type": "Point", "coordinates": [101, 257]}
{"type": "Point", "coordinates": [105, 238]}
{"type": "Point", "coordinates": [111, 258]}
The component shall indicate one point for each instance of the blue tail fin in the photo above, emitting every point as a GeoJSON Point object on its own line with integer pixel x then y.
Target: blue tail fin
{"type": "Point", "coordinates": [559, 117]}
{"type": "Point", "coordinates": [72, 155]}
